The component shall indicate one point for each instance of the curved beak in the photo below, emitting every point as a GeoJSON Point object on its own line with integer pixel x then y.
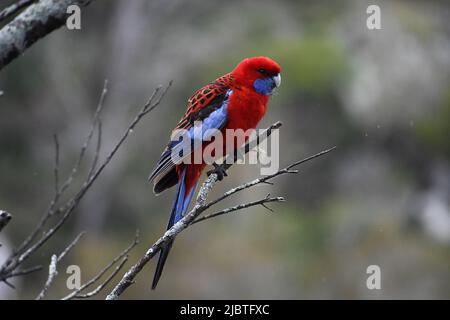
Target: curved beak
{"type": "Point", "coordinates": [277, 80]}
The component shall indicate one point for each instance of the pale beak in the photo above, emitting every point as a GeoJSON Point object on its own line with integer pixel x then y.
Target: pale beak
{"type": "Point", "coordinates": [277, 80]}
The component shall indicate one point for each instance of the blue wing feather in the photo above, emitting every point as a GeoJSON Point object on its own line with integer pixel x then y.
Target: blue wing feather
{"type": "Point", "coordinates": [196, 135]}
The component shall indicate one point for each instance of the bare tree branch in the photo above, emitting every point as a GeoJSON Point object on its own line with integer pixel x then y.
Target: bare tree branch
{"type": "Point", "coordinates": [35, 22]}
{"type": "Point", "coordinates": [98, 147]}
{"type": "Point", "coordinates": [87, 141]}
{"type": "Point", "coordinates": [261, 202]}
{"type": "Point", "coordinates": [59, 191]}
{"type": "Point", "coordinates": [14, 8]}
{"type": "Point", "coordinates": [201, 206]}
{"type": "Point", "coordinates": [70, 246]}
{"type": "Point", "coordinates": [28, 248]}
{"type": "Point", "coordinates": [53, 266]}
{"type": "Point", "coordinates": [52, 273]}
{"type": "Point", "coordinates": [265, 179]}
{"type": "Point", "coordinates": [25, 271]}
{"type": "Point", "coordinates": [123, 256]}
{"type": "Point", "coordinates": [105, 283]}
{"type": "Point", "coordinates": [5, 218]}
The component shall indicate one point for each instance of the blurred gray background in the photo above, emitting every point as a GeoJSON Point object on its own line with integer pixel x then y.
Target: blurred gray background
{"type": "Point", "coordinates": [382, 96]}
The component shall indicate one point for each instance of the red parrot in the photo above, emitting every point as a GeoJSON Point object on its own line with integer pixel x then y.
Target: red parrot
{"type": "Point", "coordinates": [237, 100]}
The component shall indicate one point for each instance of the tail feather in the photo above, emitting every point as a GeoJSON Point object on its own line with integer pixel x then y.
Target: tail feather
{"type": "Point", "coordinates": [179, 208]}
{"type": "Point", "coordinates": [161, 261]}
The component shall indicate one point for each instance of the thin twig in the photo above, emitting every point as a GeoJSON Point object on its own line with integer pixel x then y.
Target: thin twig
{"type": "Point", "coordinates": [9, 284]}
{"type": "Point", "coordinates": [60, 191]}
{"type": "Point", "coordinates": [71, 245]}
{"type": "Point", "coordinates": [201, 206]}
{"type": "Point", "coordinates": [52, 273]}
{"type": "Point", "coordinates": [251, 144]}
{"type": "Point", "coordinates": [36, 21]}
{"type": "Point", "coordinates": [122, 255]}
{"type": "Point", "coordinates": [265, 179]}
{"type": "Point", "coordinates": [14, 8]}
{"type": "Point", "coordinates": [105, 283]}
{"type": "Point", "coordinates": [5, 218]}
{"type": "Point", "coordinates": [88, 139]}
{"type": "Point", "coordinates": [56, 169]}
{"type": "Point", "coordinates": [25, 271]}
{"type": "Point", "coordinates": [261, 202]}
{"type": "Point", "coordinates": [26, 249]}
{"type": "Point", "coordinates": [53, 267]}
{"type": "Point", "coordinates": [98, 147]}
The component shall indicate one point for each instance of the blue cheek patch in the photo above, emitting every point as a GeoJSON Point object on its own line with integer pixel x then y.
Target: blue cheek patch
{"type": "Point", "coordinates": [264, 86]}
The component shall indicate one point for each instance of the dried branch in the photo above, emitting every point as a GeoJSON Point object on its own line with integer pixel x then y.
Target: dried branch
{"type": "Point", "coordinates": [98, 147]}
{"type": "Point", "coordinates": [35, 22]}
{"type": "Point", "coordinates": [59, 191]}
{"type": "Point", "coordinates": [5, 218]}
{"type": "Point", "coordinates": [25, 271]}
{"type": "Point", "coordinates": [265, 179]}
{"type": "Point", "coordinates": [105, 283]}
{"type": "Point", "coordinates": [123, 256]}
{"type": "Point", "coordinates": [53, 266]}
{"type": "Point", "coordinates": [251, 144]}
{"type": "Point", "coordinates": [70, 246]}
{"type": "Point", "coordinates": [52, 273]}
{"type": "Point", "coordinates": [201, 205]}
{"type": "Point", "coordinates": [31, 245]}
{"type": "Point", "coordinates": [261, 202]}
{"type": "Point", "coordinates": [14, 8]}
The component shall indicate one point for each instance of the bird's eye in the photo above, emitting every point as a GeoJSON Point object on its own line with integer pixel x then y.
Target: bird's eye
{"type": "Point", "coordinates": [262, 71]}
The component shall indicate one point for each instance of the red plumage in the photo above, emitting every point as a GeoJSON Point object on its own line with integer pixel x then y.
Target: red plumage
{"type": "Point", "coordinates": [251, 83]}
{"type": "Point", "coordinates": [245, 108]}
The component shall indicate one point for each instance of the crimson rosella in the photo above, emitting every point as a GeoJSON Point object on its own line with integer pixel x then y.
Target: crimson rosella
{"type": "Point", "coordinates": [237, 100]}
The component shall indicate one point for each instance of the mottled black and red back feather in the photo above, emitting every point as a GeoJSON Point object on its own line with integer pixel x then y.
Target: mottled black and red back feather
{"type": "Point", "coordinates": [201, 99]}
{"type": "Point", "coordinates": [200, 105]}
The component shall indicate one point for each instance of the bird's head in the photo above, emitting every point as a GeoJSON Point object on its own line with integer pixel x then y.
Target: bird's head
{"type": "Point", "coordinates": [261, 74]}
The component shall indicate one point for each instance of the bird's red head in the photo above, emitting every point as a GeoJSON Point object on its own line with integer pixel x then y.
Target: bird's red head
{"type": "Point", "coordinates": [260, 73]}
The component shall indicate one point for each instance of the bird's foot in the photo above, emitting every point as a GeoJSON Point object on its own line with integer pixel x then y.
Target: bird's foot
{"type": "Point", "coordinates": [219, 170]}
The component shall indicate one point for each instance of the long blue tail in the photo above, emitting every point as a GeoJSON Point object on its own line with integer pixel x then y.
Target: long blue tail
{"type": "Point", "coordinates": [179, 208]}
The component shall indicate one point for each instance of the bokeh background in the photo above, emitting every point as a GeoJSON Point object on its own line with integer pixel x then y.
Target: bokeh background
{"type": "Point", "coordinates": [382, 96]}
